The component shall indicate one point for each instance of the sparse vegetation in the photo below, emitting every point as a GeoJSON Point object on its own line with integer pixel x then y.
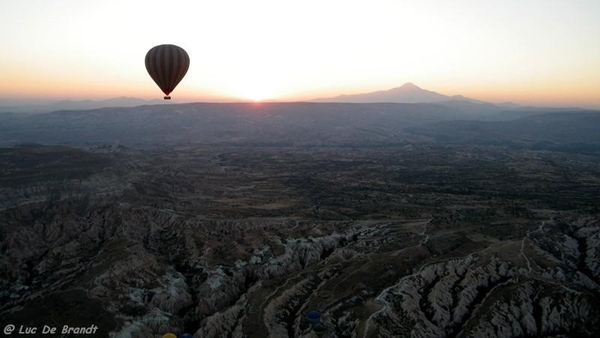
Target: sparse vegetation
{"type": "Point", "coordinates": [202, 236]}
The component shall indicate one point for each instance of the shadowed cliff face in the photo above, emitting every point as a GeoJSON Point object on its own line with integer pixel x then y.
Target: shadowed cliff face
{"type": "Point", "coordinates": [416, 240]}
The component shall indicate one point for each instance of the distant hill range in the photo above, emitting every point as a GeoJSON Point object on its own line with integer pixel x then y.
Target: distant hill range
{"type": "Point", "coordinates": [49, 106]}
{"type": "Point", "coordinates": [358, 121]}
{"type": "Point", "coordinates": [472, 108]}
{"type": "Point", "coordinates": [408, 93]}
{"type": "Point", "coordinates": [308, 124]}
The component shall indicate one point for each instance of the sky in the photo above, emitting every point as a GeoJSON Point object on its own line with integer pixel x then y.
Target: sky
{"type": "Point", "coordinates": [544, 52]}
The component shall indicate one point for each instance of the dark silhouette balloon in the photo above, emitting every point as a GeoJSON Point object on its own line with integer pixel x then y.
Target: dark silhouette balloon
{"type": "Point", "coordinates": [167, 65]}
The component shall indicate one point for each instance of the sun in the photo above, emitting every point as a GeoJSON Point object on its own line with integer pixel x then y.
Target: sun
{"type": "Point", "coordinates": [255, 94]}
{"type": "Point", "coordinates": [256, 90]}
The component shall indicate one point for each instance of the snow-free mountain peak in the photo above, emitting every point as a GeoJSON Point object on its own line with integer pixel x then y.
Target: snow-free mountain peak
{"type": "Point", "coordinates": [409, 85]}
{"type": "Point", "coordinates": [407, 93]}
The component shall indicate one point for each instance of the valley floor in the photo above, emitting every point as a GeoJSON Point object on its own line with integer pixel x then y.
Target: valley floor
{"type": "Point", "coordinates": [416, 239]}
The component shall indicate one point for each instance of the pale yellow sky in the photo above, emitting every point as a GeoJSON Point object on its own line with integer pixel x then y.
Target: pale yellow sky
{"type": "Point", "coordinates": [533, 52]}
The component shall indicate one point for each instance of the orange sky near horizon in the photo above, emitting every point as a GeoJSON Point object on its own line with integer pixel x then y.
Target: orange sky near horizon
{"type": "Point", "coordinates": [529, 52]}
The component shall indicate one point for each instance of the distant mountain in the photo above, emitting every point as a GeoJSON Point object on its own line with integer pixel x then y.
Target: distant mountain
{"type": "Point", "coordinates": [411, 93]}
{"type": "Point", "coordinates": [407, 93]}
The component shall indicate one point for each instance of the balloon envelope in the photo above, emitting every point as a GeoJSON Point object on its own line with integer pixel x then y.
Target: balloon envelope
{"type": "Point", "coordinates": [313, 317]}
{"type": "Point", "coordinates": [167, 65]}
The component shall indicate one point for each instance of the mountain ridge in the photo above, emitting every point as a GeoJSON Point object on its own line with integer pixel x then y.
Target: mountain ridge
{"type": "Point", "coordinates": [409, 93]}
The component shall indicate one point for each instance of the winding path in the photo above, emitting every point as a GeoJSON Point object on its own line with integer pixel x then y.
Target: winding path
{"type": "Point", "coordinates": [540, 228]}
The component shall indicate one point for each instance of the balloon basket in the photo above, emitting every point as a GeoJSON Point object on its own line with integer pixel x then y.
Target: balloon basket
{"type": "Point", "coordinates": [167, 97]}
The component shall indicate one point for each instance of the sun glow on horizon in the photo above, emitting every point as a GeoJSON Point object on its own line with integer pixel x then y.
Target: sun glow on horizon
{"type": "Point", "coordinates": [255, 87]}
{"type": "Point", "coordinates": [255, 96]}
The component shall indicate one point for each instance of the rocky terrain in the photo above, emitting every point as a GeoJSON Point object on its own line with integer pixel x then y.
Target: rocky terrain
{"type": "Point", "coordinates": [226, 241]}
{"type": "Point", "coordinates": [383, 233]}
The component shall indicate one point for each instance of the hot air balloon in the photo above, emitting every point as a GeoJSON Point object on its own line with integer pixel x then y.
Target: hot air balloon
{"type": "Point", "coordinates": [313, 317]}
{"type": "Point", "coordinates": [167, 65]}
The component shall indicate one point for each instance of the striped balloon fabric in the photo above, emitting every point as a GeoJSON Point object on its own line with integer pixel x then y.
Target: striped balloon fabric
{"type": "Point", "coordinates": [167, 65]}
